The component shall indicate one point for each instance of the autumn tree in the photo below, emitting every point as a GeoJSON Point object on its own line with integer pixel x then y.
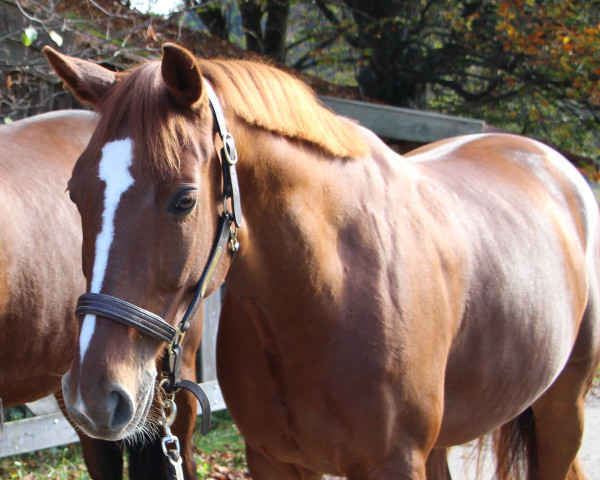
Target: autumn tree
{"type": "Point", "coordinates": [524, 65]}
{"type": "Point", "coordinates": [553, 90]}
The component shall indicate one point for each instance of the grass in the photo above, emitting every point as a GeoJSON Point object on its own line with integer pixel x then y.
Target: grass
{"type": "Point", "coordinates": [58, 463]}
{"type": "Point", "coordinates": [219, 455]}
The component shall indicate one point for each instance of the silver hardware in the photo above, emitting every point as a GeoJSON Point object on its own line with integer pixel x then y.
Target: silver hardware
{"type": "Point", "coordinates": [229, 149]}
{"type": "Point", "coordinates": [170, 442]}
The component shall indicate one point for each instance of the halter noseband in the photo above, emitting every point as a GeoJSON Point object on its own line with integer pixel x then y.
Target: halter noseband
{"type": "Point", "coordinates": [156, 327]}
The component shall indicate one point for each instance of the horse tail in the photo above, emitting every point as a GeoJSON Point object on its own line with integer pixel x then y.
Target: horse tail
{"type": "Point", "coordinates": [515, 448]}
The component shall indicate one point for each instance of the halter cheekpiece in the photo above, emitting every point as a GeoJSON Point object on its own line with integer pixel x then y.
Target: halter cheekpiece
{"type": "Point", "coordinates": [156, 327]}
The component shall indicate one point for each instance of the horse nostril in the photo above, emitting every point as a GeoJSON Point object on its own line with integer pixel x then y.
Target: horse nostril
{"type": "Point", "coordinates": [120, 407]}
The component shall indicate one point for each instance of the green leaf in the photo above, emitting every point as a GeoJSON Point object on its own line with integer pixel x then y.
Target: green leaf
{"type": "Point", "coordinates": [29, 36]}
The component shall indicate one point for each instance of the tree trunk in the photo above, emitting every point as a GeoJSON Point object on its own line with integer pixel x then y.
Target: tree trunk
{"type": "Point", "coordinates": [212, 16]}
{"type": "Point", "coordinates": [251, 23]}
{"type": "Point", "coordinates": [275, 32]}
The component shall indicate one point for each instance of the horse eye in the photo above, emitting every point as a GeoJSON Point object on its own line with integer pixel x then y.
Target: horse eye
{"type": "Point", "coordinates": [184, 202]}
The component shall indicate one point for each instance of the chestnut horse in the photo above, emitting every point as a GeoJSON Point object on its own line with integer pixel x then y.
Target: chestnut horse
{"type": "Point", "coordinates": [380, 308]}
{"type": "Point", "coordinates": [40, 265]}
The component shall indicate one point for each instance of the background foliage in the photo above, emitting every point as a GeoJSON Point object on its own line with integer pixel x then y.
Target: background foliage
{"type": "Point", "coordinates": [526, 66]}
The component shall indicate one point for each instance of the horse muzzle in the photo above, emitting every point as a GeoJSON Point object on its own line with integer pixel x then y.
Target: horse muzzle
{"type": "Point", "coordinates": [111, 409]}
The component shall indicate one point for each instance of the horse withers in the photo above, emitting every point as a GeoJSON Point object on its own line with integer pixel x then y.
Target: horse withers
{"type": "Point", "coordinates": [41, 279]}
{"type": "Point", "coordinates": [379, 309]}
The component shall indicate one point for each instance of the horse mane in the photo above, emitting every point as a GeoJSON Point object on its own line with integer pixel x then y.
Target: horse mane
{"type": "Point", "coordinates": [258, 94]}
{"type": "Point", "coordinates": [272, 99]}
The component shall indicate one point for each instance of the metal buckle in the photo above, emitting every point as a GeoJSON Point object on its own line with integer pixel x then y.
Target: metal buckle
{"type": "Point", "coordinates": [177, 340]}
{"type": "Point", "coordinates": [229, 149]}
{"type": "Point", "coordinates": [173, 454]}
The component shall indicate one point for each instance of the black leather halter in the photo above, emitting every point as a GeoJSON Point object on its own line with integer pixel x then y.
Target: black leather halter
{"type": "Point", "coordinates": [153, 325]}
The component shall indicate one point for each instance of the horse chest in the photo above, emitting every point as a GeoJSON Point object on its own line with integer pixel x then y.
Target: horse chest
{"type": "Point", "coordinates": [304, 411]}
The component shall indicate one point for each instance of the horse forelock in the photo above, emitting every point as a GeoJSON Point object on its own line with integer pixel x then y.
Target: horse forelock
{"type": "Point", "coordinates": [140, 107]}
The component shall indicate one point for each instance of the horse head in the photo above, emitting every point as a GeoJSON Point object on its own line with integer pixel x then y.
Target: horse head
{"type": "Point", "coordinates": [155, 223]}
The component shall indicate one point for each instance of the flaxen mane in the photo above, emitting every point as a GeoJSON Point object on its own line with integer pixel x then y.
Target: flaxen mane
{"type": "Point", "coordinates": [260, 95]}
{"type": "Point", "coordinates": [276, 101]}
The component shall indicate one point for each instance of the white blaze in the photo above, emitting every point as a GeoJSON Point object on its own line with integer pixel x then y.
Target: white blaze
{"type": "Point", "coordinates": [116, 160]}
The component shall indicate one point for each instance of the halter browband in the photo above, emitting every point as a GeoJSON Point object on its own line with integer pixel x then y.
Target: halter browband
{"type": "Point", "coordinates": [153, 325]}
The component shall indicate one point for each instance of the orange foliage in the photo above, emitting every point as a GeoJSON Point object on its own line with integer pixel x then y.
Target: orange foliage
{"type": "Point", "coordinates": [560, 39]}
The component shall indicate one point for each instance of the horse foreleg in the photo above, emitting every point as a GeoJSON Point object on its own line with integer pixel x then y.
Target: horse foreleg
{"type": "Point", "coordinates": [436, 466]}
{"type": "Point", "coordinates": [103, 459]}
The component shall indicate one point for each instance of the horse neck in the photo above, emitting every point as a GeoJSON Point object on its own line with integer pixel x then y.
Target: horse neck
{"type": "Point", "coordinates": [299, 207]}
{"type": "Point", "coordinates": [287, 203]}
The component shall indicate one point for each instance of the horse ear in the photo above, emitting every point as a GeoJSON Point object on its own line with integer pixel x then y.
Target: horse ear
{"type": "Point", "coordinates": [88, 81]}
{"type": "Point", "coordinates": [181, 74]}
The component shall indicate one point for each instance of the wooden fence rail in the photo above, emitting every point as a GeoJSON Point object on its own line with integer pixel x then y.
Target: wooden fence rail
{"type": "Point", "coordinates": [402, 123]}
{"type": "Point", "coordinates": [49, 428]}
